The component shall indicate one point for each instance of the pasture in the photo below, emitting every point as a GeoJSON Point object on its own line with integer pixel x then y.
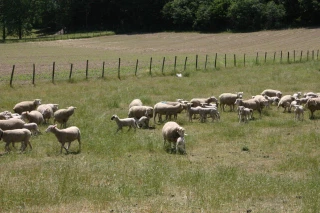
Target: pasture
{"type": "Point", "coordinates": [270, 164]}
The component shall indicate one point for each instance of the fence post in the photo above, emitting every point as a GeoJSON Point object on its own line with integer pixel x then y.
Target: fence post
{"type": "Point", "coordinates": [12, 72]}
{"type": "Point", "coordinates": [71, 66]}
{"type": "Point", "coordinates": [274, 57]}
{"type": "Point", "coordinates": [175, 63]}
{"type": "Point", "coordinates": [281, 57]}
{"type": "Point", "coordinates": [317, 54]}
{"type": "Point", "coordinates": [265, 57]}
{"type": "Point", "coordinates": [244, 59]}
{"type": "Point", "coordinates": [150, 66]}
{"type": "Point", "coordinates": [196, 62]}
{"type": "Point", "coordinates": [312, 54]}
{"type": "Point", "coordinates": [257, 57]}
{"type": "Point", "coordinates": [87, 67]}
{"type": "Point", "coordinates": [34, 73]}
{"type": "Point", "coordinates": [301, 56]}
{"type": "Point", "coordinates": [225, 60]}
{"type": "Point", "coordinates": [164, 58]}
{"type": "Point", "coordinates": [185, 63]}
{"type": "Point", "coordinates": [308, 55]}
{"type": "Point", "coordinates": [215, 60]}
{"type": "Point", "coordinates": [234, 60]}
{"type": "Point", "coordinates": [53, 69]}
{"type": "Point", "coordinates": [294, 56]}
{"type": "Point", "coordinates": [288, 57]}
{"type": "Point", "coordinates": [205, 64]}
{"type": "Point", "coordinates": [119, 68]}
{"type": "Point", "coordinates": [102, 76]}
{"type": "Point", "coordinates": [135, 73]}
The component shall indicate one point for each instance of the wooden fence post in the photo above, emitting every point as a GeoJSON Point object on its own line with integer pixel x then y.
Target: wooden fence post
{"type": "Point", "coordinates": [53, 69]}
{"type": "Point", "coordinates": [294, 56]}
{"type": "Point", "coordinates": [164, 58]}
{"type": "Point", "coordinates": [312, 54]}
{"type": "Point", "coordinates": [257, 57]}
{"type": "Point", "coordinates": [281, 57]}
{"type": "Point", "coordinates": [196, 62]}
{"type": "Point", "coordinates": [244, 59]}
{"type": "Point", "coordinates": [12, 72]}
{"type": "Point", "coordinates": [215, 60]}
{"type": "Point", "coordinates": [317, 54]}
{"type": "Point", "coordinates": [135, 73]}
{"type": "Point", "coordinates": [301, 56]}
{"type": "Point", "coordinates": [288, 60]}
{"type": "Point", "coordinates": [225, 60]}
{"type": "Point", "coordinates": [102, 76]}
{"type": "Point", "coordinates": [185, 63]}
{"type": "Point", "coordinates": [175, 63]}
{"type": "Point", "coordinates": [150, 66]}
{"type": "Point", "coordinates": [265, 57]}
{"type": "Point", "coordinates": [234, 60]}
{"type": "Point", "coordinates": [205, 64]}
{"type": "Point", "coordinates": [87, 67]}
{"type": "Point", "coordinates": [71, 66]}
{"type": "Point", "coordinates": [308, 55]}
{"type": "Point", "coordinates": [274, 57]}
{"type": "Point", "coordinates": [119, 68]}
{"type": "Point", "coordinates": [34, 73]}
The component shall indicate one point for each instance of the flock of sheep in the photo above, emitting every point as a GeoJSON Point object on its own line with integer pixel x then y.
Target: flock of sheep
{"type": "Point", "coordinates": [139, 115]}
{"type": "Point", "coordinates": [28, 115]}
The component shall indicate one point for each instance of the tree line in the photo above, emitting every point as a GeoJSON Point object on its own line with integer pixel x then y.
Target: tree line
{"type": "Point", "coordinates": [19, 17]}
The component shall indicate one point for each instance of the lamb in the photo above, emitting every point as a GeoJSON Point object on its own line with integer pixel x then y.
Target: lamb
{"type": "Point", "coordinates": [33, 117]}
{"type": "Point", "coordinates": [143, 122]}
{"type": "Point", "coordinates": [139, 111]}
{"type": "Point", "coordinates": [192, 111]}
{"type": "Point", "coordinates": [272, 93]}
{"type": "Point", "coordinates": [62, 115]}
{"type": "Point", "coordinates": [296, 95]}
{"type": "Point", "coordinates": [166, 109]}
{"type": "Point", "coordinates": [250, 103]}
{"type": "Point", "coordinates": [285, 102]}
{"type": "Point", "coordinates": [229, 99]}
{"type": "Point", "coordinates": [171, 131]}
{"type": "Point", "coordinates": [26, 106]}
{"type": "Point", "coordinates": [181, 145]}
{"type": "Point", "coordinates": [298, 112]}
{"type": "Point", "coordinates": [313, 104]}
{"type": "Point", "coordinates": [47, 111]}
{"type": "Point", "coordinates": [294, 103]}
{"type": "Point", "coordinates": [272, 100]}
{"type": "Point", "coordinates": [245, 114]}
{"type": "Point", "coordinates": [310, 95]}
{"type": "Point", "coordinates": [262, 100]}
{"type": "Point", "coordinates": [67, 135]}
{"type": "Point", "coordinates": [197, 101]}
{"type": "Point", "coordinates": [11, 124]}
{"type": "Point", "coordinates": [130, 122]}
{"type": "Point", "coordinates": [16, 135]}
{"type": "Point", "coordinates": [33, 127]}
{"type": "Point", "coordinates": [135, 102]}
{"type": "Point", "coordinates": [213, 112]}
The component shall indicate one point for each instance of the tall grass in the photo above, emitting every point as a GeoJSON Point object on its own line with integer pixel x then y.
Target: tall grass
{"type": "Point", "coordinates": [270, 164]}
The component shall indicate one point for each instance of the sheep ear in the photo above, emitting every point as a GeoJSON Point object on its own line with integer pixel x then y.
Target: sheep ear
{"type": "Point", "coordinates": [55, 126]}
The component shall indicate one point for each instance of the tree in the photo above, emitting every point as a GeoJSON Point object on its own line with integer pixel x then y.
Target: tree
{"type": "Point", "coordinates": [273, 16]}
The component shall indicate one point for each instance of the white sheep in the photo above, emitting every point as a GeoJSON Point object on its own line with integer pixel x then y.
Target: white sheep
{"type": "Point", "coordinates": [62, 115]}
{"type": "Point", "coordinates": [26, 106]}
{"type": "Point", "coordinates": [212, 112]}
{"type": "Point", "coordinates": [313, 104]}
{"type": "Point", "coordinates": [33, 127]}
{"type": "Point", "coordinates": [67, 135]}
{"type": "Point", "coordinates": [171, 131]}
{"type": "Point", "coordinates": [298, 112]}
{"type": "Point", "coordinates": [143, 122]}
{"type": "Point", "coordinates": [181, 145]}
{"type": "Point", "coordinates": [192, 111]}
{"type": "Point", "coordinates": [139, 111]}
{"type": "Point", "coordinates": [197, 101]}
{"type": "Point", "coordinates": [262, 100]}
{"type": "Point", "coordinates": [229, 99]}
{"type": "Point", "coordinates": [245, 114]}
{"type": "Point", "coordinates": [11, 124]}
{"type": "Point", "coordinates": [16, 135]}
{"type": "Point", "coordinates": [297, 95]}
{"type": "Point", "coordinates": [166, 109]}
{"type": "Point", "coordinates": [33, 117]}
{"type": "Point", "coordinates": [272, 100]}
{"type": "Point", "coordinates": [47, 111]}
{"type": "Point", "coordinates": [251, 104]}
{"type": "Point", "coordinates": [272, 93]}
{"type": "Point", "coordinates": [135, 102]}
{"type": "Point", "coordinates": [310, 95]}
{"type": "Point", "coordinates": [285, 102]}
{"type": "Point", "coordinates": [130, 122]}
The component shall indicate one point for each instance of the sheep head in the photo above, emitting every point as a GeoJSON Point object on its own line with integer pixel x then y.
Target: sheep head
{"type": "Point", "coordinates": [113, 117]}
{"type": "Point", "coordinates": [180, 131]}
{"type": "Point", "coordinates": [51, 127]}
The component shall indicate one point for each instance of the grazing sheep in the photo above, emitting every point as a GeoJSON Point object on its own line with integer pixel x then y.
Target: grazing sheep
{"type": "Point", "coordinates": [197, 101]}
{"type": "Point", "coordinates": [245, 114]}
{"type": "Point", "coordinates": [166, 109]}
{"type": "Point", "coordinates": [47, 111]}
{"type": "Point", "coordinates": [181, 145]}
{"type": "Point", "coordinates": [135, 102]}
{"type": "Point", "coordinates": [313, 104]}
{"type": "Point", "coordinates": [272, 93]}
{"type": "Point", "coordinates": [212, 112]}
{"type": "Point", "coordinates": [33, 127]}
{"type": "Point", "coordinates": [297, 95]}
{"type": "Point", "coordinates": [192, 111]}
{"type": "Point", "coordinates": [11, 124]}
{"type": "Point", "coordinates": [130, 122]}
{"type": "Point", "coordinates": [251, 104]}
{"type": "Point", "coordinates": [16, 135]}
{"type": "Point", "coordinates": [285, 102]}
{"type": "Point", "coordinates": [33, 117]}
{"type": "Point", "coordinates": [294, 103]}
{"type": "Point", "coordinates": [229, 99]}
{"type": "Point", "coordinates": [143, 122]}
{"type": "Point", "coordinates": [66, 136]}
{"type": "Point", "coordinates": [298, 112]}
{"type": "Point", "coordinates": [139, 111]}
{"type": "Point", "coordinates": [262, 100]}
{"type": "Point", "coordinates": [310, 95]}
{"type": "Point", "coordinates": [62, 115]}
{"type": "Point", "coordinates": [272, 100]}
{"type": "Point", "coordinates": [26, 106]}
{"type": "Point", "coordinates": [171, 131]}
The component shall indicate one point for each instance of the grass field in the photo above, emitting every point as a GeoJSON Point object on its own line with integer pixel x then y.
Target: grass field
{"type": "Point", "coordinates": [271, 164]}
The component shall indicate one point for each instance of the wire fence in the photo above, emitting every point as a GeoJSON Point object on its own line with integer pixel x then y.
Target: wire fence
{"type": "Point", "coordinates": [153, 66]}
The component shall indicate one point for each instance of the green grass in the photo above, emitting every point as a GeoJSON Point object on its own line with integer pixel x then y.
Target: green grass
{"type": "Point", "coordinates": [270, 164]}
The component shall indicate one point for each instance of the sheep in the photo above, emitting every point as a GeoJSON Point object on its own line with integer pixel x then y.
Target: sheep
{"type": "Point", "coordinates": [298, 112]}
{"type": "Point", "coordinates": [297, 95]}
{"type": "Point", "coordinates": [166, 109]}
{"type": "Point", "coordinates": [47, 111]}
{"type": "Point", "coordinates": [4, 115]}
{"type": "Point", "coordinates": [33, 117]}
{"type": "Point", "coordinates": [229, 99]}
{"type": "Point", "coordinates": [250, 103]}
{"type": "Point", "coordinates": [272, 100]}
{"type": "Point", "coordinates": [16, 135]}
{"type": "Point", "coordinates": [67, 135]}
{"type": "Point", "coordinates": [310, 95]}
{"type": "Point", "coordinates": [26, 106]}
{"type": "Point", "coordinates": [262, 100]}
{"type": "Point", "coordinates": [135, 102]}
{"type": "Point", "coordinates": [181, 145]}
{"type": "Point", "coordinates": [12, 115]}
{"type": "Point", "coordinates": [272, 93]}
{"type": "Point", "coordinates": [213, 112]}
{"type": "Point", "coordinates": [139, 111]}
{"type": "Point", "coordinates": [313, 104]}
{"type": "Point", "coordinates": [197, 101]}
{"type": "Point", "coordinates": [294, 103]}
{"type": "Point", "coordinates": [62, 115]}
{"type": "Point", "coordinates": [11, 124]}
{"type": "Point", "coordinates": [130, 122]}
{"type": "Point", "coordinates": [171, 131]}
{"type": "Point", "coordinates": [33, 127]}
{"type": "Point", "coordinates": [143, 122]}
{"type": "Point", "coordinates": [245, 114]}
{"type": "Point", "coordinates": [285, 102]}
{"type": "Point", "coordinates": [192, 111]}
